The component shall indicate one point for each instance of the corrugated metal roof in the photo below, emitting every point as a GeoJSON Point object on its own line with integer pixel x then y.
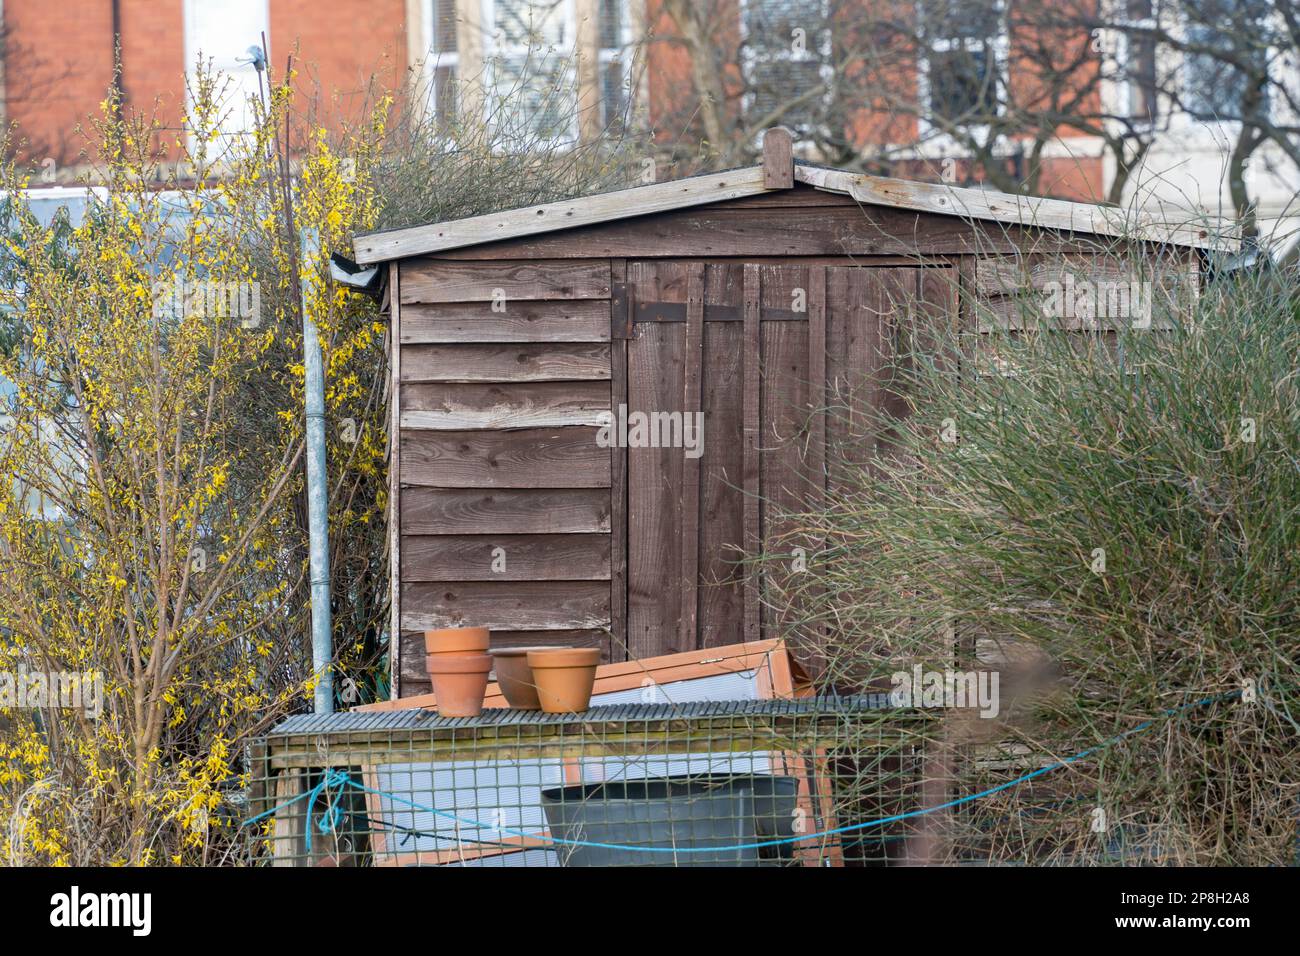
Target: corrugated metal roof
{"type": "Point", "coordinates": [420, 719]}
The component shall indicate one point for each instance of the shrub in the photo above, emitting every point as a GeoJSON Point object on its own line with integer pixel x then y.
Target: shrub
{"type": "Point", "coordinates": [152, 509]}
{"type": "Point", "coordinates": [1110, 518]}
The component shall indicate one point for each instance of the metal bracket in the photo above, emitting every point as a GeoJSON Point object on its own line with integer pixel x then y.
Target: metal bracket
{"type": "Point", "coordinates": [676, 312]}
{"type": "Point", "coordinates": [620, 313]}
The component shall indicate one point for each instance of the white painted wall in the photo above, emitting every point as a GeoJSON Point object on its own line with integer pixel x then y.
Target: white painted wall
{"type": "Point", "coordinates": [1187, 169]}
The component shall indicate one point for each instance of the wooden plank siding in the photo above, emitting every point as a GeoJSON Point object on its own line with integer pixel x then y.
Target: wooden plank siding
{"type": "Point", "coordinates": [787, 414]}
{"type": "Point", "coordinates": [755, 232]}
{"type": "Point", "coordinates": [1010, 291]}
{"type": "Point", "coordinates": [450, 406]}
{"type": "Point", "coordinates": [780, 317]}
{"type": "Point", "coordinates": [512, 515]}
{"type": "Point", "coordinates": [815, 660]}
{"type": "Point", "coordinates": [1005, 297]}
{"type": "Point", "coordinates": [500, 283]}
{"type": "Point", "coordinates": [583, 320]}
{"type": "Point", "coordinates": [693, 372]}
{"type": "Point", "coordinates": [506, 557]}
{"type": "Point", "coordinates": [750, 472]}
{"type": "Point", "coordinates": [499, 362]}
{"type": "Point", "coordinates": [514, 458]}
{"type": "Point", "coordinates": [505, 507]}
{"type": "Point", "coordinates": [395, 499]}
{"type": "Point", "coordinates": [620, 319]}
{"type": "Point", "coordinates": [522, 511]}
{"type": "Point", "coordinates": [766, 386]}
{"type": "Point", "coordinates": [721, 591]}
{"type": "Point", "coordinates": [655, 383]}
{"type": "Point", "coordinates": [506, 605]}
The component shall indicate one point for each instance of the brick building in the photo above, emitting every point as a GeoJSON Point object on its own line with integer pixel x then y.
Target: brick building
{"type": "Point", "coordinates": [58, 68]}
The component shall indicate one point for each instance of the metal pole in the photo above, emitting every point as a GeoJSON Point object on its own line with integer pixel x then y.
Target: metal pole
{"type": "Point", "coordinates": [322, 645]}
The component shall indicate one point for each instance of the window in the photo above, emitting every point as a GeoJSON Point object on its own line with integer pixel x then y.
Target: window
{"type": "Point", "coordinates": [614, 55]}
{"type": "Point", "coordinates": [786, 61]}
{"type": "Point", "coordinates": [1137, 59]}
{"type": "Point", "coordinates": [1218, 31]}
{"type": "Point", "coordinates": [223, 33]}
{"type": "Point", "coordinates": [963, 60]}
{"type": "Point", "coordinates": [443, 62]}
{"type": "Point", "coordinates": [528, 49]}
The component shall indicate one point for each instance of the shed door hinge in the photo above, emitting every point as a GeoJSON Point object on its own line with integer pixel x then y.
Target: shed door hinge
{"type": "Point", "coordinates": [620, 313]}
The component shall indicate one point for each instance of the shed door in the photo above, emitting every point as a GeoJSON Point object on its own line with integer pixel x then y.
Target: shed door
{"type": "Point", "coordinates": [731, 368]}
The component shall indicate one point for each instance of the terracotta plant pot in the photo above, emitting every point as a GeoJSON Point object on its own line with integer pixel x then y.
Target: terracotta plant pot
{"type": "Point", "coordinates": [564, 677]}
{"type": "Point", "coordinates": [456, 640]}
{"type": "Point", "coordinates": [459, 681]}
{"type": "Point", "coordinates": [515, 676]}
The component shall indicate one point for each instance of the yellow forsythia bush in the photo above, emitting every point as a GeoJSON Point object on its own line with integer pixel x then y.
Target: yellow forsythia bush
{"type": "Point", "coordinates": [152, 529]}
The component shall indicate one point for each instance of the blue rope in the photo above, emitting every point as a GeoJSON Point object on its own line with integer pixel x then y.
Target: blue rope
{"type": "Point", "coordinates": [340, 780]}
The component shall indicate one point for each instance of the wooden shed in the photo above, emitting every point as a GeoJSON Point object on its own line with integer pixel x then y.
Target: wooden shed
{"type": "Point", "coordinates": [748, 296]}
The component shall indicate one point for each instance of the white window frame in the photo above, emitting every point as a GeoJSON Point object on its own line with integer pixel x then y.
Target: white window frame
{"type": "Point", "coordinates": [495, 52]}
{"type": "Point", "coordinates": [933, 136]}
{"type": "Point", "coordinates": [1124, 82]}
{"type": "Point", "coordinates": [434, 60]}
{"type": "Point", "coordinates": [607, 55]}
{"type": "Point", "coordinates": [194, 47]}
{"type": "Point", "coordinates": [819, 49]}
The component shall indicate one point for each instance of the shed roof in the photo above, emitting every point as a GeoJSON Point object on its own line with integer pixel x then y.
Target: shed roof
{"type": "Point", "coordinates": [961, 202]}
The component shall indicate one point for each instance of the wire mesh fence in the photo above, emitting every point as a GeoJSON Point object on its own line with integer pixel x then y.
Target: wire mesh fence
{"type": "Point", "coordinates": [817, 782]}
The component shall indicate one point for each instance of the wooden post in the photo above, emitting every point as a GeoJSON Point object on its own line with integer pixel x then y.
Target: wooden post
{"type": "Point", "coordinates": [925, 844]}
{"type": "Point", "coordinates": [817, 438]}
{"type": "Point", "coordinates": [620, 321]}
{"type": "Point", "coordinates": [693, 371]}
{"type": "Point", "coordinates": [817, 379]}
{"type": "Point", "coordinates": [752, 470]}
{"type": "Point", "coordinates": [288, 848]}
{"type": "Point", "coordinates": [778, 158]}
{"type": "Point", "coordinates": [395, 482]}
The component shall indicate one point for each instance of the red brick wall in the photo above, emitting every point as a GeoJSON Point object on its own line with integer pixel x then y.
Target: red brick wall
{"type": "Point", "coordinates": [673, 99]}
{"type": "Point", "coordinates": [58, 70]}
{"type": "Point", "coordinates": [153, 61]}
{"type": "Point", "coordinates": [1081, 178]}
{"type": "Point", "coordinates": [345, 49]}
{"type": "Point", "coordinates": [60, 61]}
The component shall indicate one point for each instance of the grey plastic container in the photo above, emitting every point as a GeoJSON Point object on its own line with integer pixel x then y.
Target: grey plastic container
{"type": "Point", "coordinates": [694, 813]}
{"type": "Point", "coordinates": [774, 800]}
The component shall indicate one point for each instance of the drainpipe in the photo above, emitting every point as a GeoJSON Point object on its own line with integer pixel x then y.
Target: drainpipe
{"type": "Point", "coordinates": [4, 93]}
{"type": "Point", "coordinates": [118, 86]}
{"type": "Point", "coordinates": [322, 645]}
